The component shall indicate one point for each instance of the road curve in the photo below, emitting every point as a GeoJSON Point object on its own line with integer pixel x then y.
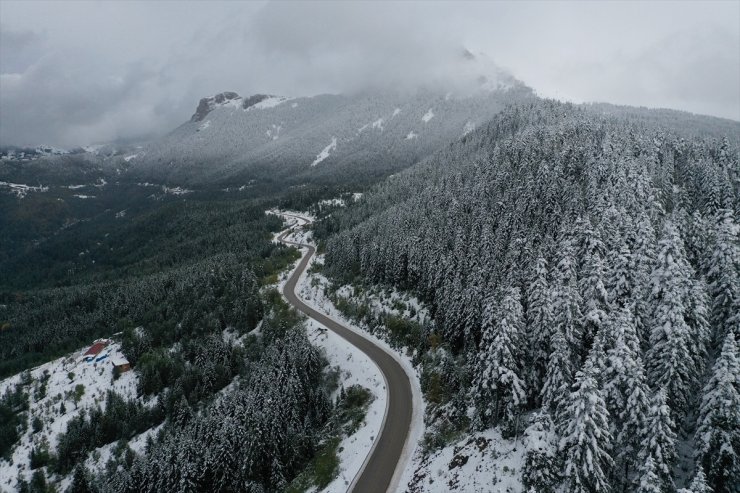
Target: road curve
{"type": "Point", "coordinates": [377, 473]}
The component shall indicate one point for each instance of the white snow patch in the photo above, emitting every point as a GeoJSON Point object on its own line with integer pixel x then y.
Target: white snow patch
{"type": "Point", "coordinates": [97, 378]}
{"type": "Point", "coordinates": [428, 116]}
{"type": "Point", "coordinates": [411, 135]}
{"type": "Point", "coordinates": [492, 464]}
{"type": "Point", "coordinates": [270, 102]}
{"type": "Point", "coordinates": [469, 127]}
{"type": "Point", "coordinates": [378, 124]}
{"type": "Point", "coordinates": [204, 125]}
{"type": "Point", "coordinates": [21, 190]}
{"type": "Point", "coordinates": [325, 152]}
{"type": "Point", "coordinates": [80, 196]}
{"type": "Point", "coordinates": [396, 112]}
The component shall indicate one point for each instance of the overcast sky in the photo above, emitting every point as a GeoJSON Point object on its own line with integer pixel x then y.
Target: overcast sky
{"type": "Point", "coordinates": [73, 73]}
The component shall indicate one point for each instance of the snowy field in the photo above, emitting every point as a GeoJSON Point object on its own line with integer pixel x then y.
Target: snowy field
{"type": "Point", "coordinates": [64, 375]}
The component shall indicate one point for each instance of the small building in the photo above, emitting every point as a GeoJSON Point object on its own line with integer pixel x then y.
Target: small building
{"type": "Point", "coordinates": [120, 364]}
{"type": "Point", "coordinates": [95, 350]}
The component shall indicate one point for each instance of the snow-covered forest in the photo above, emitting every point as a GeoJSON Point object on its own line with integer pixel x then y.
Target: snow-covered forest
{"type": "Point", "coordinates": [582, 270]}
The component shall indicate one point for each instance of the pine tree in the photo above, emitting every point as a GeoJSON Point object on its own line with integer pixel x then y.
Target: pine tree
{"type": "Point", "coordinates": [594, 298]}
{"type": "Point", "coordinates": [723, 274]}
{"type": "Point", "coordinates": [80, 481]}
{"type": "Point", "coordinates": [649, 480]}
{"type": "Point", "coordinates": [620, 283]}
{"type": "Point", "coordinates": [625, 391]}
{"type": "Point", "coordinates": [586, 440]}
{"type": "Point", "coordinates": [498, 385]}
{"type": "Point", "coordinates": [642, 245]}
{"type": "Point", "coordinates": [566, 299]}
{"type": "Point", "coordinates": [670, 365]}
{"type": "Point", "coordinates": [698, 484]}
{"type": "Point", "coordinates": [541, 466]}
{"type": "Point", "coordinates": [659, 439]}
{"type": "Point", "coordinates": [718, 426]}
{"type": "Point", "coordinates": [539, 328]}
{"type": "Point", "coordinates": [559, 376]}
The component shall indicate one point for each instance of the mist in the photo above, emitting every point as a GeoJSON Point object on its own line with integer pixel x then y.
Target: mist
{"type": "Point", "coordinates": [77, 73]}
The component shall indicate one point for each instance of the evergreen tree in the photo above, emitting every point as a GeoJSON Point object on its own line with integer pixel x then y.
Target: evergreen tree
{"type": "Point", "coordinates": [659, 440]}
{"type": "Point", "coordinates": [718, 426]}
{"type": "Point", "coordinates": [566, 299]}
{"type": "Point", "coordinates": [80, 481]}
{"type": "Point", "coordinates": [539, 329]}
{"type": "Point", "coordinates": [649, 480]}
{"type": "Point", "coordinates": [670, 364]}
{"type": "Point", "coordinates": [586, 440]}
{"type": "Point", "coordinates": [541, 465]}
{"type": "Point", "coordinates": [698, 484]}
{"type": "Point", "coordinates": [498, 385]}
{"type": "Point", "coordinates": [559, 376]}
{"type": "Point", "coordinates": [724, 274]}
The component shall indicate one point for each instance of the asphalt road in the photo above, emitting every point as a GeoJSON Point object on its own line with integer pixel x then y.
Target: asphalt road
{"type": "Point", "coordinates": [380, 466]}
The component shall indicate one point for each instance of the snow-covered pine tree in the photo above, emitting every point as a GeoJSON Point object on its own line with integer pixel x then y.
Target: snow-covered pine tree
{"type": "Point", "coordinates": [625, 393]}
{"type": "Point", "coordinates": [718, 428]}
{"type": "Point", "coordinates": [649, 480]}
{"type": "Point", "coordinates": [594, 297]}
{"type": "Point", "coordinates": [698, 484]}
{"type": "Point", "coordinates": [539, 329]}
{"type": "Point", "coordinates": [541, 465]}
{"type": "Point", "coordinates": [498, 386]}
{"type": "Point", "coordinates": [670, 364]}
{"type": "Point", "coordinates": [559, 376]}
{"type": "Point", "coordinates": [724, 274]}
{"type": "Point", "coordinates": [620, 279]}
{"type": "Point", "coordinates": [586, 442]}
{"type": "Point", "coordinates": [566, 299]}
{"type": "Point", "coordinates": [659, 439]}
{"type": "Point", "coordinates": [643, 246]}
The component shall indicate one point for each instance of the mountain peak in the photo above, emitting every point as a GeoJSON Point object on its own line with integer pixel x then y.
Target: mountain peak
{"type": "Point", "coordinates": [206, 105]}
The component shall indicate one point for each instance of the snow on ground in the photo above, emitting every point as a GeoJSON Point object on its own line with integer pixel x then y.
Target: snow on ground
{"type": "Point", "coordinates": [166, 189]}
{"type": "Point", "coordinates": [325, 152]}
{"type": "Point", "coordinates": [378, 124]}
{"type": "Point", "coordinates": [175, 190]}
{"type": "Point", "coordinates": [396, 112]}
{"type": "Point", "coordinates": [270, 102]}
{"type": "Point", "coordinates": [203, 126]}
{"type": "Point", "coordinates": [65, 374]}
{"type": "Point", "coordinates": [428, 116]}
{"type": "Point", "coordinates": [482, 463]}
{"type": "Point", "coordinates": [411, 135]}
{"type": "Point", "coordinates": [21, 190]}
{"type": "Point", "coordinates": [133, 156]}
{"type": "Point", "coordinates": [355, 449]}
{"type": "Point", "coordinates": [80, 196]}
{"type": "Point", "coordinates": [469, 127]}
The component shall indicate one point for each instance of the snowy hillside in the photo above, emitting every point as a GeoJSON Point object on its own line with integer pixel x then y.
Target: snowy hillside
{"type": "Point", "coordinates": [59, 391]}
{"type": "Point", "coordinates": [316, 136]}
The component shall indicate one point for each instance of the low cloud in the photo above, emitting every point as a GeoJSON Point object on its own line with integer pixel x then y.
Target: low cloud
{"type": "Point", "coordinates": [76, 73]}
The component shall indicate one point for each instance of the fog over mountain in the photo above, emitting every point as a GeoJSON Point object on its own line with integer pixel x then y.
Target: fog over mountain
{"type": "Point", "coordinates": [78, 73]}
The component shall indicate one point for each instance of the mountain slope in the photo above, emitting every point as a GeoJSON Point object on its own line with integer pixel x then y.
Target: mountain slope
{"type": "Point", "coordinates": [326, 137]}
{"type": "Point", "coordinates": [576, 265]}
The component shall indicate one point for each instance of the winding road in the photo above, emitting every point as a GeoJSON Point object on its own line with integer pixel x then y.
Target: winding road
{"type": "Point", "coordinates": [379, 472]}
